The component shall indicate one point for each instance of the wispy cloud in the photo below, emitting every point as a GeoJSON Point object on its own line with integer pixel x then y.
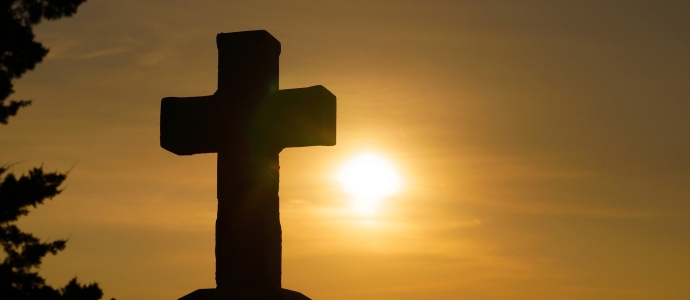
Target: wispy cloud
{"type": "Point", "coordinates": [105, 52]}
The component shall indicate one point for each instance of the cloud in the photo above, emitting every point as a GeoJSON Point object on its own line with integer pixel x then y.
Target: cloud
{"type": "Point", "coordinates": [105, 52]}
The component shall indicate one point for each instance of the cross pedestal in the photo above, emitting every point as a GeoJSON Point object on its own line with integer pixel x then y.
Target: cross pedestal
{"type": "Point", "coordinates": [248, 121]}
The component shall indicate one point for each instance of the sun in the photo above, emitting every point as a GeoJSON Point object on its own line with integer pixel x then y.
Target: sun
{"type": "Point", "coordinates": [368, 178]}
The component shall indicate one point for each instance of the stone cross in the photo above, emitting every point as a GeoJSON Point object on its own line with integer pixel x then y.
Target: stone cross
{"type": "Point", "coordinates": [248, 121]}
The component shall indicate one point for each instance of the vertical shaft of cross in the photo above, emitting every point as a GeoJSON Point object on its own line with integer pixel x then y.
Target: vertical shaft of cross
{"type": "Point", "coordinates": [248, 233]}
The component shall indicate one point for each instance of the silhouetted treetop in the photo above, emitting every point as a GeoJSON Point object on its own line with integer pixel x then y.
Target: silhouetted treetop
{"type": "Point", "coordinates": [19, 52]}
{"type": "Point", "coordinates": [75, 291]}
{"type": "Point", "coordinates": [19, 278]}
{"type": "Point", "coordinates": [16, 195]}
{"type": "Point", "coordinates": [31, 12]}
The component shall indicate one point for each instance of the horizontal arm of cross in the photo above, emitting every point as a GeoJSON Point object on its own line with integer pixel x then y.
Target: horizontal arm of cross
{"type": "Point", "coordinates": [300, 117]}
{"type": "Point", "coordinates": [188, 125]}
{"type": "Point", "coordinates": [286, 118]}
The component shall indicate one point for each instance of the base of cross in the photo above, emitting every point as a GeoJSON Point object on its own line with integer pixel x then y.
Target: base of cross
{"type": "Point", "coordinates": [214, 294]}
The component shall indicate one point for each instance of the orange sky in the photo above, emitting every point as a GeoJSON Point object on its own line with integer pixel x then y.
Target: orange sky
{"type": "Point", "coordinates": [544, 147]}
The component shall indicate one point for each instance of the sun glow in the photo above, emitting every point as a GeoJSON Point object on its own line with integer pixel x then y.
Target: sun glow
{"type": "Point", "coordinates": [368, 178]}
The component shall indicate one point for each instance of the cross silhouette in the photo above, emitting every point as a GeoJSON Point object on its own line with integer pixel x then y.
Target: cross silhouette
{"type": "Point", "coordinates": [248, 121]}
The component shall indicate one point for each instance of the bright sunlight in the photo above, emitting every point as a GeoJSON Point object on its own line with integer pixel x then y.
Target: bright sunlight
{"type": "Point", "coordinates": [368, 177]}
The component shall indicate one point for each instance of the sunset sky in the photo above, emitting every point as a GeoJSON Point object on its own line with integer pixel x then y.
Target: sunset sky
{"type": "Point", "coordinates": [543, 147]}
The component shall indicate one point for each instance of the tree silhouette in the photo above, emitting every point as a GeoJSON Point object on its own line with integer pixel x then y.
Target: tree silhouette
{"type": "Point", "coordinates": [19, 52]}
{"type": "Point", "coordinates": [18, 278]}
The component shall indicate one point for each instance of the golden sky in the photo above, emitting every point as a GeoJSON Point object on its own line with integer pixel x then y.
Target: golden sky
{"type": "Point", "coordinates": [543, 146]}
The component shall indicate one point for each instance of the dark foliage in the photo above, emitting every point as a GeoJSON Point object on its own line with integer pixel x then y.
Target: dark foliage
{"type": "Point", "coordinates": [19, 279]}
{"type": "Point", "coordinates": [19, 52]}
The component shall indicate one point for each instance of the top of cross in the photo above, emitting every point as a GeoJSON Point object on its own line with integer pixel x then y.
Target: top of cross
{"type": "Point", "coordinates": [248, 104]}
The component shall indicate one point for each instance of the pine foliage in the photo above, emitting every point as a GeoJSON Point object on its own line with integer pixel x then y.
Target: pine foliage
{"type": "Point", "coordinates": [19, 278]}
{"type": "Point", "coordinates": [19, 52]}
{"type": "Point", "coordinates": [23, 252]}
